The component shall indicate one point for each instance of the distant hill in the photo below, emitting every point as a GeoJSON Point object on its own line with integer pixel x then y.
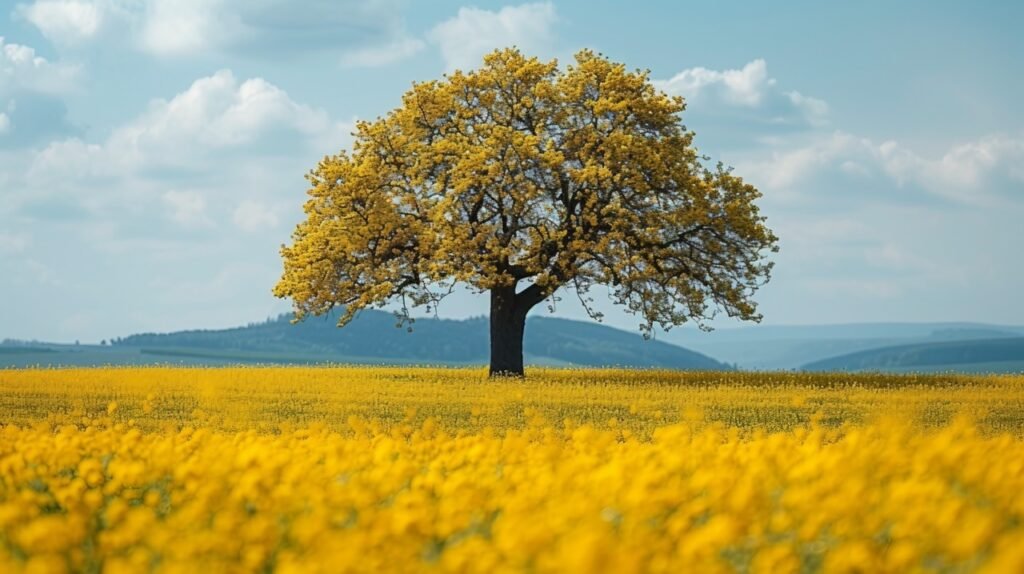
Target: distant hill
{"type": "Point", "coordinates": [770, 347]}
{"type": "Point", "coordinates": [372, 338]}
{"type": "Point", "coordinates": [1004, 354]}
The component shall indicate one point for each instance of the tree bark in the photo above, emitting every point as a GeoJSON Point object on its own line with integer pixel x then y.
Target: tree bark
{"type": "Point", "coordinates": [508, 322]}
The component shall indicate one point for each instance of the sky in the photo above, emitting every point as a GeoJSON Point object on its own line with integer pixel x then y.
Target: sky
{"type": "Point", "coordinates": [153, 152]}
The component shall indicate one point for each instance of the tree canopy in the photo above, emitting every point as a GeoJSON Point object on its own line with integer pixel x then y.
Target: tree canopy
{"type": "Point", "coordinates": [522, 173]}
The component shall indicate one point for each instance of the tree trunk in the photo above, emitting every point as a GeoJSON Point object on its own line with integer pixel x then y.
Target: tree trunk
{"type": "Point", "coordinates": [508, 322]}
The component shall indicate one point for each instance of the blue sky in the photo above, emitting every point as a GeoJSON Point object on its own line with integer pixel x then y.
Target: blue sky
{"type": "Point", "coordinates": [152, 152]}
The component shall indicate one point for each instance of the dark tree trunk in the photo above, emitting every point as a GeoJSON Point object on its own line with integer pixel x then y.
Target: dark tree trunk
{"type": "Point", "coordinates": [508, 321]}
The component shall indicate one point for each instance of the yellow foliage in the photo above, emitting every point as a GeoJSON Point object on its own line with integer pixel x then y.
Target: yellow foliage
{"type": "Point", "coordinates": [522, 171]}
{"type": "Point", "coordinates": [391, 469]}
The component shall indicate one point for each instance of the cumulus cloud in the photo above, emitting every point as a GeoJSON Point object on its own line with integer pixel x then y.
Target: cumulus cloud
{"type": "Point", "coordinates": [745, 87]}
{"type": "Point", "coordinates": [221, 155]}
{"type": "Point", "coordinates": [217, 113]}
{"type": "Point", "coordinates": [68, 156]}
{"type": "Point", "coordinates": [815, 163]}
{"type": "Point", "coordinates": [382, 55]}
{"type": "Point", "coordinates": [63, 21]}
{"type": "Point", "coordinates": [979, 171]}
{"type": "Point", "coordinates": [173, 27]}
{"type": "Point", "coordinates": [221, 111]}
{"type": "Point", "coordinates": [970, 171]}
{"type": "Point", "coordinates": [196, 27]}
{"type": "Point", "coordinates": [253, 216]}
{"type": "Point", "coordinates": [32, 92]}
{"type": "Point", "coordinates": [21, 69]}
{"type": "Point", "coordinates": [187, 208]}
{"type": "Point", "coordinates": [473, 32]}
{"type": "Point", "coordinates": [747, 95]}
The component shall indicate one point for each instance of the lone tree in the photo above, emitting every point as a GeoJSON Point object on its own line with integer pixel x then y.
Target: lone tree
{"type": "Point", "coordinates": [521, 178]}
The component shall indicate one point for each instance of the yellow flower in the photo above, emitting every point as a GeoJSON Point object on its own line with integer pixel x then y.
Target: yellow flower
{"type": "Point", "coordinates": [399, 469]}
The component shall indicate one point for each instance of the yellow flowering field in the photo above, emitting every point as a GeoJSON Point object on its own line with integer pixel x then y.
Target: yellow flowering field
{"type": "Point", "coordinates": [418, 469]}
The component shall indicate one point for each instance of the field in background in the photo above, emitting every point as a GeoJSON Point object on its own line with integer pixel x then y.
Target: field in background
{"type": "Point", "coordinates": [377, 469]}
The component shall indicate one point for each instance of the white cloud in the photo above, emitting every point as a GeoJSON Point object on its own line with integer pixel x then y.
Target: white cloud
{"type": "Point", "coordinates": [174, 27]}
{"type": "Point", "coordinates": [22, 69]}
{"type": "Point", "coordinates": [473, 32]}
{"type": "Point", "coordinates": [254, 215]}
{"type": "Point", "coordinates": [32, 93]}
{"type": "Point", "coordinates": [373, 56]}
{"type": "Point", "coordinates": [225, 149]}
{"type": "Point", "coordinates": [217, 113]}
{"type": "Point", "coordinates": [815, 110]}
{"type": "Point", "coordinates": [19, 55]}
{"type": "Point", "coordinates": [187, 208]}
{"type": "Point", "coordinates": [68, 156]}
{"type": "Point", "coordinates": [784, 170]}
{"type": "Point", "coordinates": [979, 171]}
{"type": "Point", "coordinates": [220, 111]}
{"type": "Point", "coordinates": [748, 94]}
{"type": "Point", "coordinates": [63, 21]}
{"type": "Point", "coordinates": [196, 27]}
{"type": "Point", "coordinates": [745, 87]}
{"type": "Point", "coordinates": [968, 171]}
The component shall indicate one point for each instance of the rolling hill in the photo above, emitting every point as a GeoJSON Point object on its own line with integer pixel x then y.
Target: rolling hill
{"type": "Point", "coordinates": [773, 347]}
{"type": "Point", "coordinates": [1004, 355]}
{"type": "Point", "coordinates": [372, 339]}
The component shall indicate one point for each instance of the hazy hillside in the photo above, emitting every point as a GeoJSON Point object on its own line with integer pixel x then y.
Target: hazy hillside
{"type": "Point", "coordinates": [585, 343]}
{"type": "Point", "coordinates": [792, 346]}
{"type": "Point", "coordinates": [371, 338]}
{"type": "Point", "coordinates": [1004, 354]}
{"type": "Point", "coordinates": [372, 335]}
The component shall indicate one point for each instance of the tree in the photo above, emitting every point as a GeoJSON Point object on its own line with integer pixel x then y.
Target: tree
{"type": "Point", "coordinates": [521, 178]}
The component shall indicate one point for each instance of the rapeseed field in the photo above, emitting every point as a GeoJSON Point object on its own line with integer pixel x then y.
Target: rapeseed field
{"type": "Point", "coordinates": [418, 469]}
